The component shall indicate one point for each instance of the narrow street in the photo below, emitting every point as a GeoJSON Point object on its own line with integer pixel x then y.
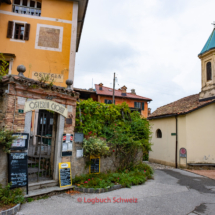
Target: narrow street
{"type": "Point", "coordinates": [172, 191]}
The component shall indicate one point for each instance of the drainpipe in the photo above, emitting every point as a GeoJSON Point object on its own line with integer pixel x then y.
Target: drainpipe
{"type": "Point", "coordinates": [176, 143]}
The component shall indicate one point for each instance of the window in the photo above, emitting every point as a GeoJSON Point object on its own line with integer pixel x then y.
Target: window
{"type": "Point", "coordinates": [107, 101]}
{"type": "Point", "coordinates": [139, 105]}
{"type": "Point", "coordinates": [27, 7]}
{"type": "Point", "coordinates": [159, 133]}
{"type": "Point", "coordinates": [209, 73]}
{"type": "Point", "coordinates": [18, 31]}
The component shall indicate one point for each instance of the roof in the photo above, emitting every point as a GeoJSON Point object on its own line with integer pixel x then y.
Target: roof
{"type": "Point", "coordinates": [118, 93]}
{"type": "Point", "coordinates": [82, 8]}
{"type": "Point", "coordinates": [210, 44]}
{"type": "Point", "coordinates": [84, 90]}
{"type": "Point", "coordinates": [180, 107]}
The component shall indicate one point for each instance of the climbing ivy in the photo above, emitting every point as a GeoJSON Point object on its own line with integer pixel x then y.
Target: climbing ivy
{"type": "Point", "coordinates": [126, 132]}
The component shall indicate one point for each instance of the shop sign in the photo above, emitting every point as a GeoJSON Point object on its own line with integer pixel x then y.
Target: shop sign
{"type": "Point", "coordinates": [42, 104]}
{"type": "Point", "coordinates": [58, 78]}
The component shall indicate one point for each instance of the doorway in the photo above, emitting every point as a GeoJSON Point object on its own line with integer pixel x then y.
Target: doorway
{"type": "Point", "coordinates": [41, 152]}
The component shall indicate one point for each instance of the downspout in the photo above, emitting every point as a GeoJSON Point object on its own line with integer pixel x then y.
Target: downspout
{"type": "Point", "coordinates": [176, 143]}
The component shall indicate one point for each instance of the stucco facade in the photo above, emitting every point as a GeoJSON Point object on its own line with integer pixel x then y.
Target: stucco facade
{"type": "Point", "coordinates": [195, 132]}
{"type": "Point", "coordinates": [52, 42]}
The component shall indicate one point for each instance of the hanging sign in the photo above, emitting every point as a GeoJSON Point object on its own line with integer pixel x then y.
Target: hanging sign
{"type": "Point", "coordinates": [42, 104]}
{"type": "Point", "coordinates": [67, 145]}
{"type": "Point", "coordinates": [18, 170]}
{"type": "Point", "coordinates": [65, 174]}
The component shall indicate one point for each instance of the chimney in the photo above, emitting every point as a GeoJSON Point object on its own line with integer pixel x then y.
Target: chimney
{"type": "Point", "coordinates": [100, 86]}
{"type": "Point", "coordinates": [133, 91]}
{"type": "Point", "coordinates": [123, 90]}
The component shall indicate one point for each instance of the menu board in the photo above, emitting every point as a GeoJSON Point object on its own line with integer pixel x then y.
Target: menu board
{"type": "Point", "coordinates": [95, 165]}
{"type": "Point", "coordinates": [65, 174]}
{"type": "Point", "coordinates": [18, 169]}
{"type": "Point", "coordinates": [21, 141]}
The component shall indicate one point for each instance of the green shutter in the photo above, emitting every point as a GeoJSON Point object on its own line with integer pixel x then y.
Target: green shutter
{"type": "Point", "coordinates": [143, 105]}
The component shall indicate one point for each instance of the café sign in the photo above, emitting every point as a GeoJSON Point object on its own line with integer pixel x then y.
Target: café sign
{"type": "Point", "coordinates": [42, 104]}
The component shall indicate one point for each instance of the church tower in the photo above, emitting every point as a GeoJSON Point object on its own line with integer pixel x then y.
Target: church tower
{"type": "Point", "coordinates": [207, 57]}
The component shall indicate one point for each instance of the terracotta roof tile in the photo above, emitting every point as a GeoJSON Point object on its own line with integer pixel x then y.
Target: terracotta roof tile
{"type": "Point", "coordinates": [118, 93]}
{"type": "Point", "coordinates": [181, 106]}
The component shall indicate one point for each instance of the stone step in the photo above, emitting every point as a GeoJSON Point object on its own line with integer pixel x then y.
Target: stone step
{"type": "Point", "coordinates": [42, 184]}
{"type": "Point", "coordinates": [45, 191]}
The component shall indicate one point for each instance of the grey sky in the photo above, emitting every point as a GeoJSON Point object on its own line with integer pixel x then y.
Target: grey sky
{"type": "Point", "coordinates": [151, 45]}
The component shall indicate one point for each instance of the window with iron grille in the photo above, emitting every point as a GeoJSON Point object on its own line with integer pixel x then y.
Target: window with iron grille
{"type": "Point", "coordinates": [209, 72]}
{"type": "Point", "coordinates": [28, 7]}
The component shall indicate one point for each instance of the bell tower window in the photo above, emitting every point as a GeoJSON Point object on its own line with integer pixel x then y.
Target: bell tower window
{"type": "Point", "coordinates": [209, 72]}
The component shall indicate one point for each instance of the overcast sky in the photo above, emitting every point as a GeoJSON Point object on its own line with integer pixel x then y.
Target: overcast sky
{"type": "Point", "coordinates": [151, 45]}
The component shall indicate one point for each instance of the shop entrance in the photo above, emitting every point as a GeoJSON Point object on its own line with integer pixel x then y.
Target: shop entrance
{"type": "Point", "coordinates": [41, 150]}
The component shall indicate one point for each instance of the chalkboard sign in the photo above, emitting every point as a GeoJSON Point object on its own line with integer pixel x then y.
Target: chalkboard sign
{"type": "Point", "coordinates": [95, 165]}
{"type": "Point", "coordinates": [65, 174]}
{"type": "Point", "coordinates": [18, 170]}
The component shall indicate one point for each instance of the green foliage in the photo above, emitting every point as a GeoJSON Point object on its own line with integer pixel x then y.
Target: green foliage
{"type": "Point", "coordinates": [95, 146]}
{"type": "Point", "coordinates": [4, 67]}
{"type": "Point", "coordinates": [10, 196]}
{"type": "Point", "coordinates": [46, 78]}
{"type": "Point", "coordinates": [126, 178]}
{"type": "Point", "coordinates": [127, 132]}
{"type": "Point", "coordinates": [6, 139]}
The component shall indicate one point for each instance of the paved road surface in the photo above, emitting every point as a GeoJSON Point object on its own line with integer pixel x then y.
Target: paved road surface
{"type": "Point", "coordinates": [171, 192]}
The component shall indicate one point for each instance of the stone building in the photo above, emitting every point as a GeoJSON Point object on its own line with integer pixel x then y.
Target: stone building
{"type": "Point", "coordinates": [188, 124]}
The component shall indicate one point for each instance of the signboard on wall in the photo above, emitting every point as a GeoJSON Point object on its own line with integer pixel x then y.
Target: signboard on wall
{"type": "Point", "coordinates": [67, 145]}
{"type": "Point", "coordinates": [18, 170]}
{"type": "Point", "coordinates": [57, 77]}
{"type": "Point", "coordinates": [43, 104]}
{"type": "Point", "coordinates": [65, 174]}
{"type": "Point", "coordinates": [183, 153]}
{"type": "Point", "coordinates": [21, 142]}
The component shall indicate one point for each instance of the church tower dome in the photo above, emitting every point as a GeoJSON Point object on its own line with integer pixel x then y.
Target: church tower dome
{"type": "Point", "coordinates": [207, 56]}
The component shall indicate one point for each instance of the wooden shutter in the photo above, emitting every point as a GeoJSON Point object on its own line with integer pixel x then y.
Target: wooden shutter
{"type": "Point", "coordinates": [143, 105]}
{"type": "Point", "coordinates": [105, 101]}
{"type": "Point", "coordinates": [10, 29]}
{"type": "Point", "coordinates": [27, 31]}
{"type": "Point", "coordinates": [135, 104]}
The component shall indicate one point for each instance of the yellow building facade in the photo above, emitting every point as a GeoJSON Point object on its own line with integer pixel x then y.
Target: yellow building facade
{"type": "Point", "coordinates": [43, 35]}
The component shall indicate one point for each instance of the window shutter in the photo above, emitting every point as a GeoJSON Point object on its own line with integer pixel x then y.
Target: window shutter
{"type": "Point", "coordinates": [105, 101]}
{"type": "Point", "coordinates": [143, 105]}
{"type": "Point", "coordinates": [27, 31]}
{"type": "Point", "coordinates": [135, 104]}
{"type": "Point", "coordinates": [10, 29]}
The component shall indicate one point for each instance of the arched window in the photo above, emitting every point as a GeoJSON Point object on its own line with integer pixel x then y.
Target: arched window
{"type": "Point", "coordinates": [159, 133]}
{"type": "Point", "coordinates": [209, 72]}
